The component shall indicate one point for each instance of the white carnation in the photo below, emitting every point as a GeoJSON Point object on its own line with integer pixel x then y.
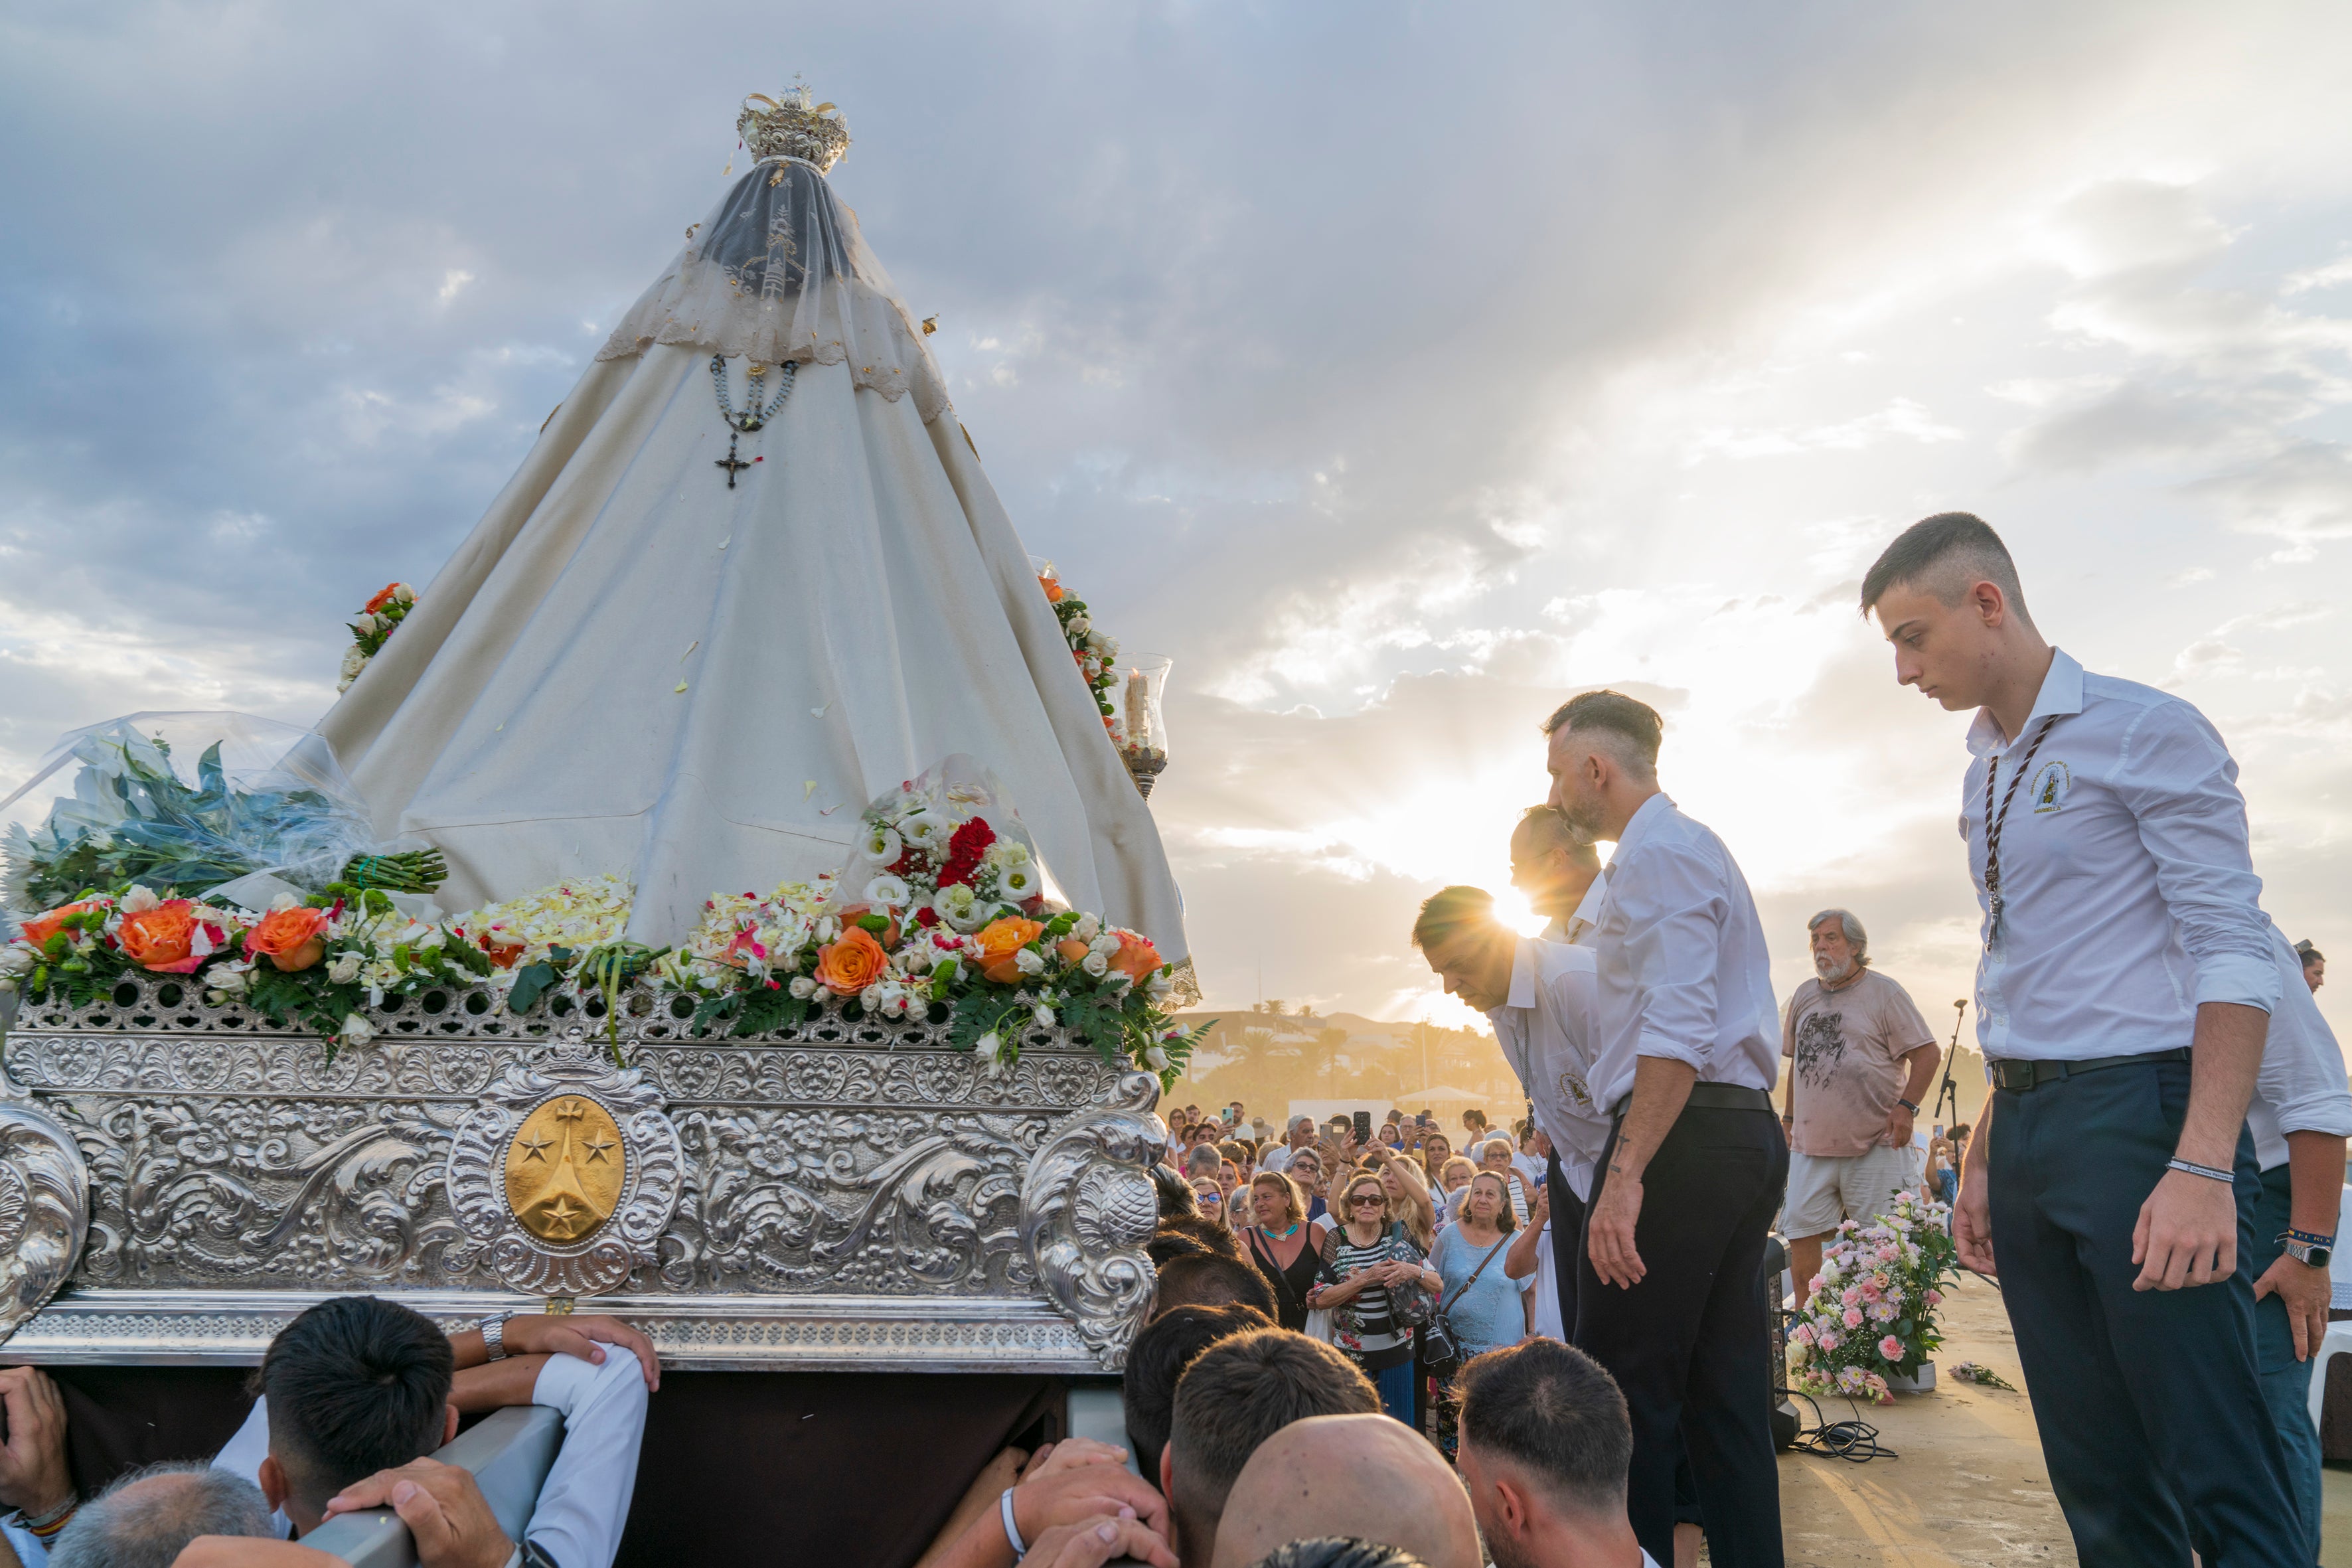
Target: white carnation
{"type": "Point", "coordinates": [138, 899]}
{"type": "Point", "coordinates": [284, 901]}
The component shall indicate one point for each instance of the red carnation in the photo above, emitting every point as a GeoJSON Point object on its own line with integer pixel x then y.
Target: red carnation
{"type": "Point", "coordinates": [964, 850]}
{"type": "Point", "coordinates": [927, 917]}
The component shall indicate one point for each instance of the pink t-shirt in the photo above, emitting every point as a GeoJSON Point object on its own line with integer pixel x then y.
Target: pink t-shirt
{"type": "Point", "coordinates": [1849, 1046]}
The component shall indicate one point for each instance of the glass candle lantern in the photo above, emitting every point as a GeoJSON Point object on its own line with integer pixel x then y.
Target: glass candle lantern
{"type": "Point", "coordinates": [1138, 726]}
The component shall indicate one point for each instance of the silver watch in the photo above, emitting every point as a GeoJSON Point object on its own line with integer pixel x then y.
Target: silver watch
{"type": "Point", "coordinates": [494, 1334]}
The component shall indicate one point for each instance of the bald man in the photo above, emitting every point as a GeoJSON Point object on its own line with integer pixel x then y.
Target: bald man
{"type": "Point", "coordinates": [1361, 1476]}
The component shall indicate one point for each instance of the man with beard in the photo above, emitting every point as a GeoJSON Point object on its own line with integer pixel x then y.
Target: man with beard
{"type": "Point", "coordinates": [1861, 1059]}
{"type": "Point", "coordinates": [2124, 996]}
{"type": "Point", "coordinates": [1669, 1291]}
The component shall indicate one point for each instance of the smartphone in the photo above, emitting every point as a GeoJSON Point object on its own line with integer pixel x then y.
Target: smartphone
{"type": "Point", "coordinates": [1363, 1127]}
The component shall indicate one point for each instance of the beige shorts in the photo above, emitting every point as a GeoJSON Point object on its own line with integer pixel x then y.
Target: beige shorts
{"type": "Point", "coordinates": [1823, 1191]}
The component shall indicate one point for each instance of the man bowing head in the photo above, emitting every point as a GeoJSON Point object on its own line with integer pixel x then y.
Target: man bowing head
{"type": "Point", "coordinates": [1669, 1293]}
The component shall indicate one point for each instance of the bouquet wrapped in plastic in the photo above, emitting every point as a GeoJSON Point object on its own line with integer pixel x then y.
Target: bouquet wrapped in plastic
{"type": "Point", "coordinates": [232, 806]}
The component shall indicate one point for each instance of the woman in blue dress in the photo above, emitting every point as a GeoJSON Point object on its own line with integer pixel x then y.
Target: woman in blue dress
{"type": "Point", "coordinates": [1488, 1309]}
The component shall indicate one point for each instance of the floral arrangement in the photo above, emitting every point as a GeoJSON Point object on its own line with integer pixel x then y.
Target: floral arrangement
{"type": "Point", "coordinates": [375, 623]}
{"type": "Point", "coordinates": [1983, 1376]}
{"type": "Point", "coordinates": [1872, 1307]}
{"type": "Point", "coordinates": [1096, 651]}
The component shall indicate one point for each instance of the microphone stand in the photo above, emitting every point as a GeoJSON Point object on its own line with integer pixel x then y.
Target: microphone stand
{"type": "Point", "coordinates": [1947, 1092]}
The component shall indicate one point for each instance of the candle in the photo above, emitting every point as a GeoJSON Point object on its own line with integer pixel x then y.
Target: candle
{"type": "Point", "coordinates": [1139, 711]}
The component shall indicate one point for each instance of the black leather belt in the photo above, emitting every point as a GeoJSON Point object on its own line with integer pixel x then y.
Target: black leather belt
{"type": "Point", "coordinates": [2018, 1075]}
{"type": "Point", "coordinates": [1716, 1097]}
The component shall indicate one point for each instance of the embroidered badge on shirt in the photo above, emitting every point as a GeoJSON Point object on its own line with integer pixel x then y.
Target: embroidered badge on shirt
{"type": "Point", "coordinates": [2050, 787]}
{"type": "Point", "coordinates": [1572, 1087]}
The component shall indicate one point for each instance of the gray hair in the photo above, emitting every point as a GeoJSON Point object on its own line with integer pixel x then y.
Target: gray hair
{"type": "Point", "coordinates": [1854, 935]}
{"type": "Point", "coordinates": [115, 1530]}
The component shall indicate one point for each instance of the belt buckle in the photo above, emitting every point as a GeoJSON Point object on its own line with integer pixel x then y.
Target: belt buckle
{"type": "Point", "coordinates": [2016, 1077]}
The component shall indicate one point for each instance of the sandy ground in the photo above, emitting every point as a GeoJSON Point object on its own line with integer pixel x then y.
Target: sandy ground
{"type": "Point", "coordinates": [1969, 1486]}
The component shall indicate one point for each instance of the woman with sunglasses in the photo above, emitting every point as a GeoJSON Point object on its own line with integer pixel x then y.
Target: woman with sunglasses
{"type": "Point", "coordinates": [1369, 1252]}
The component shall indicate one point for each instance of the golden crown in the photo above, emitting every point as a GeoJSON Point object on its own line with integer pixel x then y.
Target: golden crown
{"type": "Point", "coordinates": [789, 126]}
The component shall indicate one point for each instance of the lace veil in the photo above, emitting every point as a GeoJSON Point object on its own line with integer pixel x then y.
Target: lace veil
{"type": "Point", "coordinates": [779, 272]}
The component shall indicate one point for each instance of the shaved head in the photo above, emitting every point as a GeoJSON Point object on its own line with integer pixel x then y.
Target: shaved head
{"type": "Point", "coordinates": [1368, 1477]}
{"type": "Point", "coordinates": [1945, 556]}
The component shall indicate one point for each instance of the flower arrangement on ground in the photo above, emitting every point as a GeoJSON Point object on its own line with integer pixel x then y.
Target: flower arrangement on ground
{"type": "Point", "coordinates": [375, 622]}
{"type": "Point", "coordinates": [1095, 650]}
{"type": "Point", "coordinates": [1871, 1313]}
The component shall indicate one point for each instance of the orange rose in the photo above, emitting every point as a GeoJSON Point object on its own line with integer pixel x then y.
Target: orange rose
{"type": "Point", "coordinates": [161, 939]}
{"type": "Point", "coordinates": [383, 597]}
{"type": "Point", "coordinates": [1054, 592]}
{"type": "Point", "coordinates": [851, 913]}
{"type": "Point", "coordinates": [40, 928]}
{"type": "Point", "coordinates": [1136, 958]}
{"type": "Point", "coordinates": [848, 966]}
{"type": "Point", "coordinates": [292, 939]}
{"type": "Point", "coordinates": [997, 947]}
{"type": "Point", "coordinates": [1072, 950]}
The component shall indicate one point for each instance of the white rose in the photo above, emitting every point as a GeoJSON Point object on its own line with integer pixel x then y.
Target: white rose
{"type": "Point", "coordinates": [343, 968]}
{"type": "Point", "coordinates": [366, 622]}
{"type": "Point", "coordinates": [827, 928]}
{"type": "Point", "coordinates": [1155, 1059]}
{"type": "Point", "coordinates": [1045, 1017]}
{"type": "Point", "coordinates": [1095, 964]}
{"type": "Point", "coordinates": [284, 901]}
{"type": "Point", "coordinates": [228, 980]}
{"type": "Point", "coordinates": [917, 958]}
{"type": "Point", "coordinates": [16, 960]}
{"type": "Point", "coordinates": [802, 987]}
{"type": "Point", "coordinates": [356, 1030]}
{"type": "Point", "coordinates": [988, 1048]}
{"type": "Point", "coordinates": [1106, 945]}
{"type": "Point", "coordinates": [1079, 626]}
{"type": "Point", "coordinates": [1088, 929]}
{"type": "Point", "coordinates": [137, 899]}
{"type": "Point", "coordinates": [402, 593]}
{"type": "Point", "coordinates": [871, 998]}
{"type": "Point", "coordinates": [1029, 961]}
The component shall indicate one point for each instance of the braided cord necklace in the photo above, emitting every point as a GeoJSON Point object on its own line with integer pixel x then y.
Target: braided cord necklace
{"type": "Point", "coordinates": [1993, 823]}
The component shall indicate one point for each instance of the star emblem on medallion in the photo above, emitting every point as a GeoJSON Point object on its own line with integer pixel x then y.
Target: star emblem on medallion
{"type": "Point", "coordinates": [600, 1148]}
{"type": "Point", "coordinates": [535, 1147]}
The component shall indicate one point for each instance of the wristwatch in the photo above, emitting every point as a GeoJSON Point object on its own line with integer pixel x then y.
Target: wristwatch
{"type": "Point", "coordinates": [1907, 1105]}
{"type": "Point", "coordinates": [494, 1334]}
{"type": "Point", "coordinates": [2308, 1249]}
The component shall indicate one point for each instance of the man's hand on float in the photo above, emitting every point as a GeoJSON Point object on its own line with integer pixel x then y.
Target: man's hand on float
{"type": "Point", "coordinates": [2304, 1290]}
{"type": "Point", "coordinates": [33, 1473]}
{"type": "Point", "coordinates": [1082, 1492]}
{"type": "Point", "coordinates": [1091, 1542]}
{"type": "Point", "coordinates": [1053, 1458]}
{"type": "Point", "coordinates": [584, 1338]}
{"type": "Point", "coordinates": [445, 1511]}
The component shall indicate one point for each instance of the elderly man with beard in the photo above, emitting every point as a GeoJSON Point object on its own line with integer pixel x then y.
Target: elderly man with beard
{"type": "Point", "coordinates": [1670, 1293]}
{"type": "Point", "coordinates": [1861, 1057]}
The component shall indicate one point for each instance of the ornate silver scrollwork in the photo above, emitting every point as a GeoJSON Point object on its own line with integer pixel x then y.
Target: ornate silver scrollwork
{"type": "Point", "coordinates": [44, 1207]}
{"type": "Point", "coordinates": [1087, 1210]}
{"type": "Point", "coordinates": [568, 1170]}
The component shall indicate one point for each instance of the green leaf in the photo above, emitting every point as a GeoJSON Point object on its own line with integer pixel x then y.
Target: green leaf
{"type": "Point", "coordinates": [530, 984]}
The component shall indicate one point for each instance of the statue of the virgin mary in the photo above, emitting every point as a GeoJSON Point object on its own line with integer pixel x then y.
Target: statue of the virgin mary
{"type": "Point", "coordinates": [750, 577]}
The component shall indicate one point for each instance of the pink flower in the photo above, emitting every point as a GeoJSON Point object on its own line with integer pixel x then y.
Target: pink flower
{"type": "Point", "coordinates": [1813, 1285]}
{"type": "Point", "coordinates": [1891, 1348]}
{"type": "Point", "coordinates": [1852, 1318]}
{"type": "Point", "coordinates": [1850, 1295]}
{"type": "Point", "coordinates": [1802, 1334]}
{"type": "Point", "coordinates": [1935, 1298]}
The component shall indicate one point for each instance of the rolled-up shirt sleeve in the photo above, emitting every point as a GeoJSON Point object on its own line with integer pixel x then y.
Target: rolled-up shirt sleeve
{"type": "Point", "coordinates": [2180, 783]}
{"type": "Point", "coordinates": [585, 1502]}
{"type": "Point", "coordinates": [1674, 920]}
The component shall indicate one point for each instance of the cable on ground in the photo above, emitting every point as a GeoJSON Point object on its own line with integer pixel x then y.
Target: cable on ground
{"type": "Point", "coordinates": [1855, 1441]}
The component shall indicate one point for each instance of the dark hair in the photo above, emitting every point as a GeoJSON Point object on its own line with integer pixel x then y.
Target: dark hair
{"type": "Point", "coordinates": [1158, 1357]}
{"type": "Point", "coordinates": [1166, 1246]}
{"type": "Point", "coordinates": [1553, 1411]}
{"type": "Point", "coordinates": [2310, 955]}
{"type": "Point", "coordinates": [1947, 540]}
{"type": "Point", "coordinates": [1617, 714]}
{"type": "Point", "coordinates": [355, 1386]}
{"type": "Point", "coordinates": [1338, 1551]}
{"type": "Point", "coordinates": [1243, 1390]}
{"type": "Point", "coordinates": [1213, 1279]}
{"type": "Point", "coordinates": [151, 1531]}
{"type": "Point", "coordinates": [1213, 1235]}
{"type": "Point", "coordinates": [1451, 909]}
{"type": "Point", "coordinates": [1175, 1193]}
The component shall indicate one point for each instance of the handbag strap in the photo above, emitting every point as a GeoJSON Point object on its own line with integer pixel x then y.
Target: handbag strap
{"type": "Point", "coordinates": [1273, 1267]}
{"type": "Point", "coordinates": [1475, 1272]}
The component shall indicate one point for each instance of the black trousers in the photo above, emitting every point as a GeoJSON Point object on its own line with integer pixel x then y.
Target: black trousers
{"type": "Point", "coordinates": [2148, 1402]}
{"type": "Point", "coordinates": [1567, 1240]}
{"type": "Point", "coordinates": [1688, 1344]}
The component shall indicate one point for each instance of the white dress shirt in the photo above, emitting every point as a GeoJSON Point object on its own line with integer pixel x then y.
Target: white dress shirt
{"type": "Point", "coordinates": [1276, 1159]}
{"type": "Point", "coordinates": [2301, 1087]}
{"type": "Point", "coordinates": [1577, 928]}
{"type": "Point", "coordinates": [585, 1500]}
{"type": "Point", "coordinates": [1546, 1030]}
{"type": "Point", "coordinates": [2128, 895]}
{"type": "Point", "coordinates": [1683, 973]}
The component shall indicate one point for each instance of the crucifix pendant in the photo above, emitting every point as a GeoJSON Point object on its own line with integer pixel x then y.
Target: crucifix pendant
{"type": "Point", "coordinates": [1992, 929]}
{"type": "Point", "coordinates": [730, 462]}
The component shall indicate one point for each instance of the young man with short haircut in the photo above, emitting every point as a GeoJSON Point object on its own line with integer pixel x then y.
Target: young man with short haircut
{"type": "Point", "coordinates": [1235, 1395]}
{"type": "Point", "coordinates": [1545, 1448]}
{"type": "Point", "coordinates": [2124, 987]}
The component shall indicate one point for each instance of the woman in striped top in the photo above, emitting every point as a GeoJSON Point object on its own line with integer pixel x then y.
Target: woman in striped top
{"type": "Point", "coordinates": [1369, 1252]}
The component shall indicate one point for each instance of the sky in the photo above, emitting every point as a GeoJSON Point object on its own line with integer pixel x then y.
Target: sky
{"type": "Point", "coordinates": [1397, 369]}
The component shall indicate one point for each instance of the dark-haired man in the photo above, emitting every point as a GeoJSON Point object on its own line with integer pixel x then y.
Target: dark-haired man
{"type": "Point", "coordinates": [1669, 1293]}
{"type": "Point", "coordinates": [2315, 964]}
{"type": "Point", "coordinates": [1545, 1450]}
{"type": "Point", "coordinates": [2124, 993]}
{"type": "Point", "coordinates": [1156, 1364]}
{"type": "Point", "coordinates": [1211, 1279]}
{"type": "Point", "coordinates": [1234, 1395]}
{"type": "Point", "coordinates": [359, 1386]}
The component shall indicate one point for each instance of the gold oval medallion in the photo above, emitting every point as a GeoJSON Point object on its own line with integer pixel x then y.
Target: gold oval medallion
{"type": "Point", "coordinates": [564, 1169]}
